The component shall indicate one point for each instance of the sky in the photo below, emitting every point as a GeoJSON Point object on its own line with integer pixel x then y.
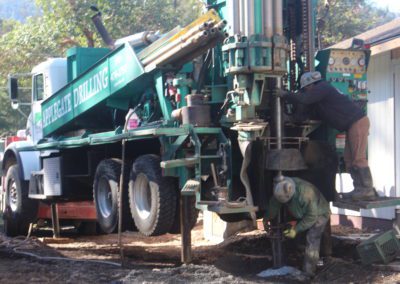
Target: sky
{"type": "Point", "coordinates": [393, 5]}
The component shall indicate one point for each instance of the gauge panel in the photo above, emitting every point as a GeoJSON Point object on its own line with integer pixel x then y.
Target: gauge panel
{"type": "Point", "coordinates": [346, 61]}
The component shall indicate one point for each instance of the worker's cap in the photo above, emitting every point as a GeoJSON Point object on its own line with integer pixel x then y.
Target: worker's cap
{"type": "Point", "coordinates": [284, 189]}
{"type": "Point", "coordinates": [309, 78]}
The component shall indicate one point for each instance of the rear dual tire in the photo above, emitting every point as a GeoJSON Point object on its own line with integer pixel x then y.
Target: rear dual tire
{"type": "Point", "coordinates": [152, 197]}
{"type": "Point", "coordinates": [151, 200]}
{"type": "Point", "coordinates": [105, 195]}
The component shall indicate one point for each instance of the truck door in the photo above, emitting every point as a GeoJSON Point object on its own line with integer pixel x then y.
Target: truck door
{"type": "Point", "coordinates": [34, 124]}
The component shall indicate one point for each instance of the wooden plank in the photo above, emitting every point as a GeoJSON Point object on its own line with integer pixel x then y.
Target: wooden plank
{"type": "Point", "coordinates": [386, 46]}
{"type": "Point", "coordinates": [358, 205]}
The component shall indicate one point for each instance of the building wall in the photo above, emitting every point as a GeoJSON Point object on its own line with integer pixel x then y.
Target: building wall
{"type": "Point", "coordinates": [396, 77]}
{"type": "Point", "coordinates": [381, 142]}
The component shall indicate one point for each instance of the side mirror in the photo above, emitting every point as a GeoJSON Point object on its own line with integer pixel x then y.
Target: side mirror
{"type": "Point", "coordinates": [13, 89]}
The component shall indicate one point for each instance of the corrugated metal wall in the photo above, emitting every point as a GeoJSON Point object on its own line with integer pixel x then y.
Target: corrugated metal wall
{"type": "Point", "coordinates": [381, 113]}
{"type": "Point", "coordinates": [397, 122]}
{"type": "Point", "coordinates": [381, 142]}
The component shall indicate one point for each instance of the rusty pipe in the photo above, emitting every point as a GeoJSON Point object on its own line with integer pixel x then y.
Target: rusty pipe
{"type": "Point", "coordinates": [98, 23]}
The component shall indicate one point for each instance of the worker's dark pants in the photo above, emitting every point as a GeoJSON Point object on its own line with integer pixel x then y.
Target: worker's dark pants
{"type": "Point", "coordinates": [313, 241]}
{"type": "Point", "coordinates": [355, 150]}
{"type": "Point", "coordinates": [326, 241]}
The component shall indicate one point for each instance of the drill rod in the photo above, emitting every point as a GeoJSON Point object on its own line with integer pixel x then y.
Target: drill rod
{"type": "Point", "coordinates": [186, 238]}
{"type": "Point", "coordinates": [277, 241]}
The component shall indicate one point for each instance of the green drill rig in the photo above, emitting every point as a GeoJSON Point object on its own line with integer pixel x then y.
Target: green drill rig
{"type": "Point", "coordinates": [165, 125]}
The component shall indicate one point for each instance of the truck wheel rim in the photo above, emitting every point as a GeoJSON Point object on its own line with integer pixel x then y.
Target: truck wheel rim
{"type": "Point", "coordinates": [142, 196]}
{"type": "Point", "coordinates": [13, 197]}
{"type": "Point", "coordinates": [104, 198]}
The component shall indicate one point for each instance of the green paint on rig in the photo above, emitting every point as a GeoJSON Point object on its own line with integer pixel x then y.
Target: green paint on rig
{"type": "Point", "coordinates": [80, 59]}
{"type": "Point", "coordinates": [113, 77]}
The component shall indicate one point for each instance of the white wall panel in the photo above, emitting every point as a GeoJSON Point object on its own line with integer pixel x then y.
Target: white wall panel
{"type": "Point", "coordinates": [396, 85]}
{"type": "Point", "coordinates": [381, 113]}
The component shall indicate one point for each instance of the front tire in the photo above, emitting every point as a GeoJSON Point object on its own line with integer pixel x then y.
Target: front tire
{"type": "Point", "coordinates": [20, 209]}
{"type": "Point", "coordinates": [152, 197]}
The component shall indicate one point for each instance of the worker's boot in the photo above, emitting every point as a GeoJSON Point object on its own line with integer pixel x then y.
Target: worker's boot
{"type": "Point", "coordinates": [366, 189]}
{"type": "Point", "coordinates": [356, 184]}
{"type": "Point", "coordinates": [310, 263]}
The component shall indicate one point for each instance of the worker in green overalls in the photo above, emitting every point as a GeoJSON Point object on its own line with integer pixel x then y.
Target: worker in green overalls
{"type": "Point", "coordinates": [306, 203]}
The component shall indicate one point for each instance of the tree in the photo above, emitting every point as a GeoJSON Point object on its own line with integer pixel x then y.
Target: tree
{"type": "Point", "coordinates": [342, 19]}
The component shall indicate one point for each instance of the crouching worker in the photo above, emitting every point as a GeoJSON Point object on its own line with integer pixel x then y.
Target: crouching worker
{"type": "Point", "coordinates": [304, 202]}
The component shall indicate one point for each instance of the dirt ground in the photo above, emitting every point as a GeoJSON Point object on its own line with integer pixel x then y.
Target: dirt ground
{"type": "Point", "coordinates": [157, 260]}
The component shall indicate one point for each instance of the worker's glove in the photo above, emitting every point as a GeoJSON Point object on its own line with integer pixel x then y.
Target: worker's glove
{"type": "Point", "coordinates": [290, 233]}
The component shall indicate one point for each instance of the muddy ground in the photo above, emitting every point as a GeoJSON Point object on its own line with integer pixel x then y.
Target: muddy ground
{"type": "Point", "coordinates": [157, 260]}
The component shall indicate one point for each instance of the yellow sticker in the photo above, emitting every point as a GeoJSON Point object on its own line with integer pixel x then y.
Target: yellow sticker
{"type": "Point", "coordinates": [358, 76]}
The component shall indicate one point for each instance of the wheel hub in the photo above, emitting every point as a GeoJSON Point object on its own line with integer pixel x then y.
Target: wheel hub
{"type": "Point", "coordinates": [142, 195]}
{"type": "Point", "coordinates": [13, 195]}
{"type": "Point", "coordinates": [104, 197]}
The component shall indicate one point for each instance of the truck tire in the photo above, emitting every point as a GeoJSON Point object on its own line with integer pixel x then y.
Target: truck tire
{"type": "Point", "coordinates": [105, 195]}
{"type": "Point", "coordinates": [152, 197]}
{"type": "Point", "coordinates": [194, 214]}
{"type": "Point", "coordinates": [20, 210]}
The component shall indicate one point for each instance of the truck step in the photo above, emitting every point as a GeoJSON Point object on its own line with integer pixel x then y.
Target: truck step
{"type": "Point", "coordinates": [380, 202]}
{"type": "Point", "coordinates": [191, 187]}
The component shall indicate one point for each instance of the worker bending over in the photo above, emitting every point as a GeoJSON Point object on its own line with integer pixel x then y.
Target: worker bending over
{"type": "Point", "coordinates": [304, 202]}
{"type": "Point", "coordinates": [330, 106]}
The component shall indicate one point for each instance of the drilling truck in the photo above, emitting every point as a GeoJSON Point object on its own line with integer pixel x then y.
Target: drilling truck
{"type": "Point", "coordinates": [158, 126]}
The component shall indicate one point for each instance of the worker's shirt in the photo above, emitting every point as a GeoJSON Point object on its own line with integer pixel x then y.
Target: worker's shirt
{"type": "Point", "coordinates": [328, 105]}
{"type": "Point", "coordinates": [306, 205]}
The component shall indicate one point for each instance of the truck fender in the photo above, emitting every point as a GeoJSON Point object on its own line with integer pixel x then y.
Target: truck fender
{"type": "Point", "coordinates": [28, 161]}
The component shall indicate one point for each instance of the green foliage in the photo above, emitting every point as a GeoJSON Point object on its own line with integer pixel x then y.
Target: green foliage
{"type": "Point", "coordinates": [342, 19]}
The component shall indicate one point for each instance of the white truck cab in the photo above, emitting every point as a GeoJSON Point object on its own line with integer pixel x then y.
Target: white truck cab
{"type": "Point", "coordinates": [47, 78]}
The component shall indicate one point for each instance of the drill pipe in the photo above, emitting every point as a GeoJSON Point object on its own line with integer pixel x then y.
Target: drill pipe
{"type": "Point", "coordinates": [249, 20]}
{"type": "Point", "coordinates": [204, 27]}
{"type": "Point", "coordinates": [209, 26]}
{"type": "Point", "coordinates": [268, 18]}
{"type": "Point", "coordinates": [233, 10]}
{"type": "Point", "coordinates": [181, 49]}
{"type": "Point", "coordinates": [196, 50]}
{"type": "Point", "coordinates": [138, 39]}
{"type": "Point", "coordinates": [191, 33]}
{"type": "Point", "coordinates": [201, 50]}
{"type": "Point", "coordinates": [159, 43]}
{"type": "Point", "coordinates": [278, 25]}
{"type": "Point", "coordinates": [172, 46]}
